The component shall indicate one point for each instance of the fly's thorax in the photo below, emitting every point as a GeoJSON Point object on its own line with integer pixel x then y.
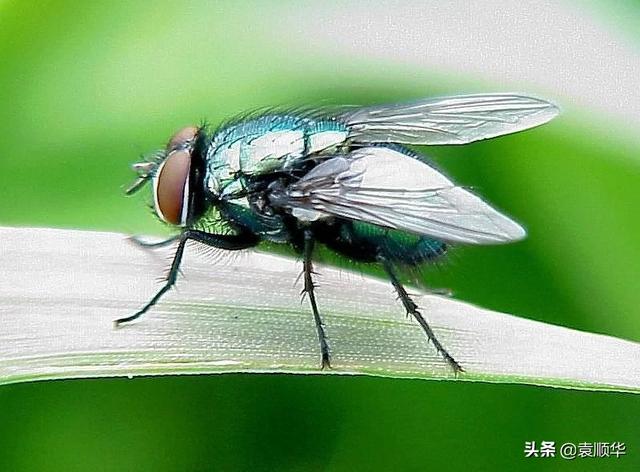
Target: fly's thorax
{"type": "Point", "coordinates": [252, 155]}
{"type": "Point", "coordinates": [266, 144]}
{"type": "Point", "coordinates": [217, 178]}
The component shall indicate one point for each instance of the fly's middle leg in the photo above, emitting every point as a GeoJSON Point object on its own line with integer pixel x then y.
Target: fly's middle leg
{"type": "Point", "coordinates": [309, 290]}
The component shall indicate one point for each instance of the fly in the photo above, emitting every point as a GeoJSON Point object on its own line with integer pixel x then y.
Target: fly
{"type": "Point", "coordinates": [341, 178]}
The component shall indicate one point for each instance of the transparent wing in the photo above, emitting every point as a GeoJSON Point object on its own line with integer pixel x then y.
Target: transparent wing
{"type": "Point", "coordinates": [388, 188]}
{"type": "Point", "coordinates": [448, 120]}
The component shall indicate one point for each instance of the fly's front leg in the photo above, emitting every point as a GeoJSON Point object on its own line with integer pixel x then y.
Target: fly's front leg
{"type": "Point", "coordinates": [230, 242]}
{"type": "Point", "coordinates": [171, 279]}
{"type": "Point", "coordinates": [309, 289]}
{"type": "Point", "coordinates": [147, 245]}
{"type": "Point", "coordinates": [412, 309]}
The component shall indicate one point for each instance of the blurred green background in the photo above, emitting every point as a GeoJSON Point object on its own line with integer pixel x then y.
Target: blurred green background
{"type": "Point", "coordinates": [86, 87]}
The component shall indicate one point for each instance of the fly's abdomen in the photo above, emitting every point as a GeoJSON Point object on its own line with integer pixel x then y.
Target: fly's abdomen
{"type": "Point", "coordinates": [398, 246]}
{"type": "Point", "coordinates": [267, 144]}
{"type": "Point", "coordinates": [364, 242]}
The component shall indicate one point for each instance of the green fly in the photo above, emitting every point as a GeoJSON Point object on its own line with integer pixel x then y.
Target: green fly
{"type": "Point", "coordinates": [343, 178]}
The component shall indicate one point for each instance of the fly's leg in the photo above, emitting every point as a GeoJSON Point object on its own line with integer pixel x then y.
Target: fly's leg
{"type": "Point", "coordinates": [230, 242]}
{"type": "Point", "coordinates": [308, 289]}
{"type": "Point", "coordinates": [412, 309]}
{"type": "Point", "coordinates": [147, 245]}
{"type": "Point", "coordinates": [170, 280]}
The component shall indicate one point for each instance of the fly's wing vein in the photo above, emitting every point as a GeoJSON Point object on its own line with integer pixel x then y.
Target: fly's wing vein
{"type": "Point", "coordinates": [448, 120]}
{"type": "Point", "coordinates": [385, 187]}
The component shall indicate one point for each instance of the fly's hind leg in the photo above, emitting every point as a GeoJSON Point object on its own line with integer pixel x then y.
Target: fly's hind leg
{"type": "Point", "coordinates": [230, 242]}
{"type": "Point", "coordinates": [309, 290]}
{"type": "Point", "coordinates": [412, 309]}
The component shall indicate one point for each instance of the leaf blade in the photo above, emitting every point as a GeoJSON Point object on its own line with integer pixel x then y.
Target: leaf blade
{"type": "Point", "coordinates": [61, 290]}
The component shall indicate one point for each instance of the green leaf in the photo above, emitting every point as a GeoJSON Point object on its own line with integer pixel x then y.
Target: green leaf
{"type": "Point", "coordinates": [61, 290]}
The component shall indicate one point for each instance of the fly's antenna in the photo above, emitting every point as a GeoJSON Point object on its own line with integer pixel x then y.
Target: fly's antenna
{"type": "Point", "coordinates": [145, 170]}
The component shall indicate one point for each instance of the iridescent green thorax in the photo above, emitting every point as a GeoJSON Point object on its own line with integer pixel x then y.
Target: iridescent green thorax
{"type": "Point", "coordinates": [265, 144]}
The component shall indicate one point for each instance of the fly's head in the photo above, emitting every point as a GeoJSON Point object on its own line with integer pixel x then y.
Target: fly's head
{"type": "Point", "coordinates": [177, 173]}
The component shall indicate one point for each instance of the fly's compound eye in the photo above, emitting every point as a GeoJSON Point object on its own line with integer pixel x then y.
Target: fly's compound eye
{"type": "Point", "coordinates": [182, 139]}
{"type": "Point", "coordinates": [171, 187]}
{"type": "Point", "coordinates": [171, 179]}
